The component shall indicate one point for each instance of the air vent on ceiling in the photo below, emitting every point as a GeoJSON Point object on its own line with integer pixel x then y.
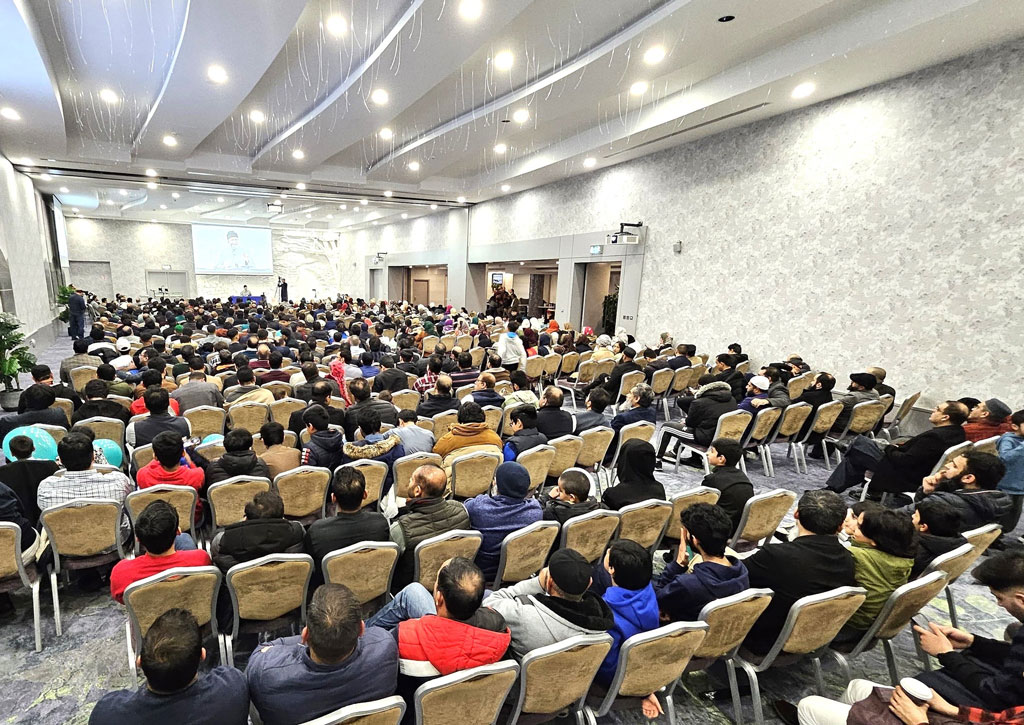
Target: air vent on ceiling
{"type": "Point", "coordinates": [702, 124]}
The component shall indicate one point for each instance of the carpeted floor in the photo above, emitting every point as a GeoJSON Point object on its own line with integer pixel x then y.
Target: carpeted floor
{"type": "Point", "coordinates": [61, 683]}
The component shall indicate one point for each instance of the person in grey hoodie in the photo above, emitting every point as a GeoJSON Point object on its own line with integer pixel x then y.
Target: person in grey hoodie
{"type": "Point", "coordinates": [552, 606]}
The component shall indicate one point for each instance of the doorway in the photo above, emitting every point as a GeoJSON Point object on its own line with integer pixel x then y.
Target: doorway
{"type": "Point", "coordinates": [602, 279]}
{"type": "Point", "coordinates": [421, 291]}
{"type": "Point", "coordinates": [535, 284]}
{"type": "Point", "coordinates": [166, 282]}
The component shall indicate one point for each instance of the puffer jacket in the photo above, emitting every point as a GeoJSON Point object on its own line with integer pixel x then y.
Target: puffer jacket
{"type": "Point", "coordinates": [466, 434]}
{"type": "Point", "coordinates": [247, 540]}
{"type": "Point", "coordinates": [324, 449]}
{"type": "Point", "coordinates": [976, 507]}
{"type": "Point", "coordinates": [710, 403]}
{"type": "Point", "coordinates": [450, 645]}
{"type": "Point", "coordinates": [377, 448]}
{"type": "Point", "coordinates": [420, 519]}
{"type": "Point", "coordinates": [237, 463]}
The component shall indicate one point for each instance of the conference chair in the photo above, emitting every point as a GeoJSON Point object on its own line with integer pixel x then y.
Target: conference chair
{"type": "Point", "coordinates": [949, 454]}
{"type": "Point", "coordinates": [478, 354]}
{"type": "Point", "coordinates": [264, 592]}
{"type": "Point", "coordinates": [211, 451]}
{"type": "Point", "coordinates": [304, 492]}
{"type": "Point", "coordinates": [228, 499]}
{"type": "Point", "coordinates": [429, 343]}
{"type": "Point", "coordinates": [108, 428]}
{"type": "Point", "coordinates": [56, 432]}
{"type": "Point", "coordinates": [892, 430]}
{"type": "Point", "coordinates": [535, 371]}
{"type": "Point", "coordinates": [465, 342]}
{"type": "Point", "coordinates": [248, 415]}
{"type": "Point", "coordinates": [430, 554]}
{"type": "Point", "coordinates": [374, 473]}
{"type": "Point", "coordinates": [403, 468]}
{"type": "Point", "coordinates": [958, 561]}
{"type": "Point", "coordinates": [798, 384]}
{"type": "Point", "coordinates": [790, 422]}
{"type": "Point", "coordinates": [142, 457]}
{"type": "Point", "coordinates": [537, 461]}
{"type": "Point", "coordinates": [649, 662]}
{"type": "Point", "coordinates": [988, 445]}
{"type": "Point", "coordinates": [645, 522]}
{"type": "Point", "coordinates": [682, 501]}
{"type": "Point", "coordinates": [764, 423]}
{"type": "Point", "coordinates": [824, 418]}
{"type": "Point", "coordinates": [762, 514]}
{"type": "Point", "coordinates": [405, 400]}
{"type": "Point", "coordinates": [732, 425]}
{"type": "Point", "coordinates": [524, 552]}
{"type": "Point", "coordinates": [493, 416]}
{"type": "Point", "coordinates": [16, 572]}
{"type": "Point", "coordinates": [206, 420]}
{"type": "Point", "coordinates": [259, 447]}
{"type": "Point", "coordinates": [477, 693]}
{"type": "Point", "coordinates": [641, 430]}
{"type": "Point", "coordinates": [626, 384]}
{"type": "Point", "coordinates": [280, 389]}
{"type": "Point", "coordinates": [473, 473]}
{"type": "Point", "coordinates": [448, 341]}
{"type": "Point", "coordinates": [569, 665]}
{"type": "Point", "coordinates": [387, 711]}
{"type": "Point", "coordinates": [365, 568]}
{"type": "Point", "coordinates": [121, 400]}
{"type": "Point", "coordinates": [570, 361]}
{"type": "Point", "coordinates": [444, 421]}
{"type": "Point", "coordinates": [585, 374]}
{"type": "Point", "coordinates": [65, 405]}
{"type": "Point", "coordinates": [503, 388]}
{"type": "Point", "coordinates": [590, 533]}
{"type": "Point", "coordinates": [661, 384]}
{"type": "Point", "coordinates": [80, 376]}
{"type": "Point", "coordinates": [184, 499]}
{"type": "Point", "coordinates": [567, 451]}
{"type": "Point", "coordinates": [552, 366]}
{"type": "Point", "coordinates": [863, 419]}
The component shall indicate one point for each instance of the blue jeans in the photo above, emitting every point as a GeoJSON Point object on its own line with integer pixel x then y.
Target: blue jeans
{"type": "Point", "coordinates": [412, 602]}
{"type": "Point", "coordinates": [184, 542]}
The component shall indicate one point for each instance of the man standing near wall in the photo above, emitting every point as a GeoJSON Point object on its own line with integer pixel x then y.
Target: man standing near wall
{"type": "Point", "coordinates": [76, 310]}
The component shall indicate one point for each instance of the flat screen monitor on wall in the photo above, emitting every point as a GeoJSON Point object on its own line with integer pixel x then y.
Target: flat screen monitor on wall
{"type": "Point", "coordinates": [231, 250]}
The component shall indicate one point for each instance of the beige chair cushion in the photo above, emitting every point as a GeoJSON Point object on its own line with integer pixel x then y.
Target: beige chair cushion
{"type": "Point", "coordinates": [366, 572]}
{"type": "Point", "coordinates": [473, 475]}
{"type": "Point", "coordinates": [474, 702]}
{"type": "Point", "coordinates": [728, 626]}
{"type": "Point", "coordinates": [84, 530]}
{"type": "Point", "coordinates": [303, 492]}
{"type": "Point", "coordinates": [658, 663]}
{"type": "Point", "coordinates": [644, 525]}
{"type": "Point", "coordinates": [206, 422]}
{"type": "Point", "coordinates": [432, 556]}
{"type": "Point", "coordinates": [527, 554]}
{"type": "Point", "coordinates": [272, 590]}
{"type": "Point", "coordinates": [595, 446]}
{"type": "Point", "coordinates": [229, 501]}
{"type": "Point", "coordinates": [819, 623]}
{"type": "Point", "coordinates": [194, 593]}
{"type": "Point", "coordinates": [590, 537]}
{"type": "Point", "coordinates": [573, 671]}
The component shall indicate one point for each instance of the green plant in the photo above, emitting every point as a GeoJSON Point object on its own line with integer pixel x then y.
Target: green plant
{"type": "Point", "coordinates": [14, 357]}
{"type": "Point", "coordinates": [609, 310]}
{"type": "Point", "coordinates": [64, 293]}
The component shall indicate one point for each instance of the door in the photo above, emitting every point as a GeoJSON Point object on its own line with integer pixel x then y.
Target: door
{"type": "Point", "coordinates": [421, 292]}
{"type": "Point", "coordinates": [92, 276]}
{"type": "Point", "coordinates": [166, 282]}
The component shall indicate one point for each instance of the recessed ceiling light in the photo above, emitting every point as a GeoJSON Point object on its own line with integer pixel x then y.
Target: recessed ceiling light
{"type": "Point", "coordinates": [163, 206]}
{"type": "Point", "coordinates": [521, 116]}
{"type": "Point", "coordinates": [374, 223]}
{"type": "Point", "coordinates": [74, 208]}
{"type": "Point", "coordinates": [589, 162]}
{"type": "Point", "coordinates": [386, 133]}
{"type": "Point", "coordinates": [257, 116]}
{"type": "Point", "coordinates": [10, 114]}
{"type": "Point", "coordinates": [122, 192]}
{"type": "Point", "coordinates": [220, 199]}
{"type": "Point", "coordinates": [414, 166]}
{"type": "Point", "coordinates": [461, 200]}
{"type": "Point", "coordinates": [151, 185]}
{"type": "Point", "coordinates": [471, 9]}
{"type": "Point", "coordinates": [405, 216]}
{"type": "Point", "coordinates": [389, 193]}
{"type": "Point", "coordinates": [110, 202]}
{"type": "Point", "coordinates": [169, 140]}
{"type": "Point", "coordinates": [654, 55]}
{"type": "Point", "coordinates": [504, 60]}
{"type": "Point", "coordinates": [803, 90]}
{"type": "Point", "coordinates": [283, 195]}
{"type": "Point", "coordinates": [522, 264]}
{"type": "Point", "coordinates": [726, 18]}
{"type": "Point", "coordinates": [337, 26]}
{"type": "Point", "coordinates": [433, 207]}
{"type": "Point", "coordinates": [108, 96]}
{"type": "Point", "coordinates": [309, 216]}
{"type": "Point", "coordinates": [150, 172]}
{"type": "Point", "coordinates": [298, 154]}
{"type": "Point", "coordinates": [301, 186]}
{"type": "Point", "coordinates": [500, 148]}
{"type": "Point", "coordinates": [639, 88]}
{"type": "Point", "coordinates": [343, 207]}
{"type": "Point", "coordinates": [216, 73]}
{"type": "Point", "coordinates": [175, 195]}
{"type": "Point", "coordinates": [506, 188]}
{"type": "Point", "coordinates": [379, 96]}
{"type": "Point", "coordinates": [152, 221]}
{"type": "Point", "coordinates": [46, 177]}
{"type": "Point", "coordinates": [364, 202]}
{"type": "Point", "coordinates": [64, 190]}
{"type": "Point", "coordinates": [330, 216]}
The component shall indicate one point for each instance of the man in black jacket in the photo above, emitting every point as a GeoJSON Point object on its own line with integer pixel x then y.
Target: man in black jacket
{"type": "Point", "coordinates": [724, 371]}
{"type": "Point", "coordinates": [813, 563]}
{"type": "Point", "coordinates": [439, 399]}
{"type": "Point", "coordinates": [712, 400]}
{"type": "Point", "coordinates": [552, 421]}
{"type": "Point", "coordinates": [239, 459]}
{"type": "Point", "coordinates": [938, 532]}
{"type": "Point", "coordinates": [41, 375]}
{"type": "Point", "coordinates": [902, 466]}
{"type": "Point", "coordinates": [484, 392]}
{"type": "Point", "coordinates": [816, 395]}
{"type": "Point", "coordinates": [24, 473]}
{"type": "Point", "coordinates": [354, 522]}
{"type": "Point", "coordinates": [977, 671]}
{"type": "Point", "coordinates": [390, 378]}
{"type": "Point", "coordinates": [362, 396]}
{"type": "Point", "coordinates": [96, 404]}
{"type": "Point", "coordinates": [523, 422]}
{"type": "Point", "coordinates": [264, 530]}
{"type": "Point", "coordinates": [158, 402]}
{"type": "Point", "coordinates": [614, 380]}
{"type": "Point", "coordinates": [968, 485]}
{"type": "Point", "coordinates": [320, 395]}
{"type": "Point", "coordinates": [311, 372]}
{"type": "Point", "coordinates": [735, 487]}
{"type": "Point", "coordinates": [38, 399]}
{"type": "Point", "coordinates": [597, 400]}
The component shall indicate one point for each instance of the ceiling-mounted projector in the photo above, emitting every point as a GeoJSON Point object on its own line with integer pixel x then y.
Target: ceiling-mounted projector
{"type": "Point", "coordinates": [624, 237]}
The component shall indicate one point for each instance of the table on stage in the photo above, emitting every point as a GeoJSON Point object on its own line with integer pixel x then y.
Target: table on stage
{"type": "Point", "coordinates": [235, 299]}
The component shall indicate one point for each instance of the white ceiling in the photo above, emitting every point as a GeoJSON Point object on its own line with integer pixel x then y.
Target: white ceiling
{"type": "Point", "coordinates": [448, 102]}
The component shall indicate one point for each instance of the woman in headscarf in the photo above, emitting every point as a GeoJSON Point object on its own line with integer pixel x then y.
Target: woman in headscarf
{"type": "Point", "coordinates": [603, 349]}
{"type": "Point", "coordinates": [635, 470]}
{"type": "Point", "coordinates": [530, 341]}
{"type": "Point", "coordinates": [337, 374]}
{"type": "Point", "coordinates": [544, 344]}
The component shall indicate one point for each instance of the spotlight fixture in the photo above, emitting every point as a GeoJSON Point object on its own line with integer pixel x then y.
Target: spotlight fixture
{"type": "Point", "coordinates": [217, 74]}
{"type": "Point", "coordinates": [639, 88]}
{"type": "Point", "coordinates": [386, 133]}
{"type": "Point", "coordinates": [461, 200]}
{"type": "Point", "coordinates": [163, 206]}
{"type": "Point", "coordinates": [10, 114]}
{"type": "Point", "coordinates": [150, 172]}
{"type": "Point", "coordinates": [433, 207]}
{"type": "Point", "coordinates": [364, 202]}
{"type": "Point", "coordinates": [589, 162]}
{"type": "Point", "coordinates": [521, 116]}
{"type": "Point", "coordinates": [110, 202]}
{"type": "Point", "coordinates": [504, 60]}
{"type": "Point", "coordinates": [64, 190]}
{"type": "Point", "coordinates": [298, 154]}
{"type": "Point", "coordinates": [108, 96]}
{"type": "Point", "coordinates": [405, 216]}
{"type": "Point", "coordinates": [337, 26]}
{"type": "Point", "coordinates": [379, 96]}
{"type": "Point", "coordinates": [301, 186]}
{"type": "Point", "coordinates": [654, 55]}
{"type": "Point", "coordinates": [471, 9]}
{"type": "Point", "coordinates": [389, 193]}
{"type": "Point", "coordinates": [122, 192]}
{"type": "Point", "coordinates": [500, 148]}
{"type": "Point", "coordinates": [175, 195]}
{"type": "Point", "coordinates": [46, 177]}
{"type": "Point", "coordinates": [506, 188]}
{"type": "Point", "coordinates": [803, 90]}
{"type": "Point", "coordinates": [151, 185]}
{"type": "Point", "coordinates": [170, 140]}
{"type": "Point", "coordinates": [220, 199]}
{"type": "Point", "coordinates": [257, 116]}
{"type": "Point", "coordinates": [414, 166]}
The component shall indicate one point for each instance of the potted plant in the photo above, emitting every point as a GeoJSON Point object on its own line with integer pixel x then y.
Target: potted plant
{"type": "Point", "coordinates": [15, 358]}
{"type": "Point", "coordinates": [609, 311]}
{"type": "Point", "coordinates": [64, 293]}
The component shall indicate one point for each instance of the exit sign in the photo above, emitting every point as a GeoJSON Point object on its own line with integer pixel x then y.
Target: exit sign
{"type": "Point", "coordinates": [595, 249]}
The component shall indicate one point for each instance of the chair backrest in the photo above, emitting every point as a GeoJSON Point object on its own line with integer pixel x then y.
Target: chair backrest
{"type": "Point", "coordinates": [448, 341]}
{"type": "Point", "coordinates": [815, 620]}
{"type": "Point", "coordinates": [503, 388]}
{"type": "Point", "coordinates": [269, 587]}
{"type": "Point", "coordinates": [681, 379]}
{"type": "Point", "coordinates": [182, 498]}
{"type": "Point", "coordinates": [729, 621]}
{"type": "Point", "coordinates": [366, 568]}
{"type": "Point", "coordinates": [954, 562]}
{"type": "Point", "coordinates": [478, 354]}
{"type": "Point", "coordinates": [552, 363]}
{"type": "Point", "coordinates": [11, 563]}
{"type": "Point", "coordinates": [81, 375]}
{"type": "Point", "coordinates": [109, 428]}
{"type": "Point", "coordinates": [534, 367]}
{"type": "Point", "coordinates": [465, 342]}
{"type": "Point", "coordinates": [279, 388]}
{"type": "Point", "coordinates": [206, 420]}
{"type": "Point", "coordinates": [374, 473]}
{"type": "Point", "coordinates": [905, 602]}
{"type": "Point", "coordinates": [281, 410]}
{"type": "Point", "coordinates": [865, 416]}
{"type": "Point", "coordinates": [249, 415]}
{"type": "Point", "coordinates": [605, 367]}
{"type": "Point", "coordinates": [590, 533]}
{"type": "Point", "coordinates": [192, 588]}
{"type": "Point", "coordinates": [303, 490]}
{"type": "Point", "coordinates": [906, 406]}
{"type": "Point", "coordinates": [661, 381]}
{"type": "Point", "coordinates": [988, 446]}
{"type": "Point", "coordinates": [464, 390]}
{"type": "Point", "coordinates": [797, 385]}
{"type": "Point", "coordinates": [65, 405]}
{"type": "Point", "coordinates": [259, 447]}
{"type": "Point", "coordinates": [644, 522]}
{"type": "Point", "coordinates": [228, 498]}
{"type": "Point", "coordinates": [211, 451]}
{"type": "Point", "coordinates": [142, 456]}
{"type": "Point", "coordinates": [431, 553]}
{"type": "Point", "coordinates": [492, 416]}
{"type": "Point", "coordinates": [982, 537]}
{"type": "Point", "coordinates": [949, 454]}
{"type": "Point", "coordinates": [652, 660]}
{"type": "Point", "coordinates": [572, 663]}
{"type": "Point", "coordinates": [825, 417]}
{"type": "Point", "coordinates": [733, 425]}
{"type": "Point", "coordinates": [387, 711]}
{"type": "Point", "coordinates": [443, 421]}
{"type": "Point", "coordinates": [405, 399]}
{"type": "Point", "coordinates": [84, 527]}
{"type": "Point", "coordinates": [641, 430]}
{"type": "Point", "coordinates": [476, 694]}
{"type": "Point", "coordinates": [567, 451]}
{"type": "Point", "coordinates": [764, 422]}
{"type": "Point", "coordinates": [887, 401]}
{"type": "Point", "coordinates": [793, 419]}
{"type": "Point", "coordinates": [682, 501]}
{"type": "Point", "coordinates": [473, 473]}
{"type": "Point", "coordinates": [696, 373]}
{"type": "Point", "coordinates": [56, 432]}
{"type": "Point", "coordinates": [524, 552]}
{"type": "Point", "coordinates": [587, 371]}
{"type": "Point", "coordinates": [429, 342]}
{"type": "Point", "coordinates": [570, 361]}
{"type": "Point", "coordinates": [586, 355]}
{"type": "Point", "coordinates": [629, 380]}
{"type": "Point", "coordinates": [762, 514]}
{"type": "Point", "coordinates": [537, 461]}
{"type": "Point", "coordinates": [403, 469]}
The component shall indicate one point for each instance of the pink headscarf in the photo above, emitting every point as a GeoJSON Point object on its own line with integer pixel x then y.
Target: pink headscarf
{"type": "Point", "coordinates": [337, 374]}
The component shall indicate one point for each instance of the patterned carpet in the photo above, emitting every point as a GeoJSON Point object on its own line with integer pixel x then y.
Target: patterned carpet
{"type": "Point", "coordinates": [61, 683]}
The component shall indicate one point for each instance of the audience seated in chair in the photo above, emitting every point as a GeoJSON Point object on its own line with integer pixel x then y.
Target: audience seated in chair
{"type": "Point", "coordinates": [523, 424]}
{"type": "Point", "coordinates": [97, 405]}
{"type": "Point", "coordinates": [637, 407]}
{"type": "Point", "coordinates": [816, 395]}
{"type": "Point", "coordinates": [197, 391]}
{"type": "Point", "coordinates": [278, 456]}
{"type": "Point", "coordinates": [390, 378]}
{"type": "Point", "coordinates": [81, 358]}
{"type": "Point", "coordinates": [469, 435]}
{"type": "Point", "coordinates": [374, 446]}
{"type": "Point", "coordinates": [439, 399]}
{"type": "Point", "coordinates": [41, 375]}
{"type": "Point", "coordinates": [273, 372]}
{"type": "Point", "coordinates": [324, 447]}
{"type": "Point", "coordinates": [1011, 452]}
{"type": "Point", "coordinates": [498, 515]}
{"type": "Point", "coordinates": [776, 394]}
{"type": "Point", "coordinates": [597, 401]}
{"type": "Point", "coordinates": [522, 392]}
{"type": "Point", "coordinates": [466, 374]}
{"type": "Point", "coordinates": [570, 498]}
{"type": "Point", "coordinates": [263, 531]}
{"type": "Point", "coordinates": [446, 631]}
{"type": "Point", "coordinates": [171, 466]}
{"type": "Point", "coordinates": [23, 474]}
{"type": "Point", "coordinates": [433, 367]}
{"type": "Point", "coordinates": [756, 391]}
{"type": "Point", "coordinates": [239, 459]}
{"type": "Point", "coordinates": [414, 438]}
{"type": "Point", "coordinates": [987, 419]}
{"type": "Point", "coordinates": [38, 400]}
{"type": "Point", "coordinates": [726, 477]}
{"type": "Point", "coordinates": [247, 391]}
{"type": "Point", "coordinates": [901, 467]}
{"type": "Point", "coordinates": [158, 403]}
{"type": "Point", "coordinates": [483, 391]}
{"type": "Point", "coordinates": [686, 586]}
{"type": "Point", "coordinates": [175, 690]}
{"type": "Point", "coordinates": [363, 401]}
{"type": "Point", "coordinates": [635, 470]}
{"type": "Point", "coordinates": [712, 400]}
{"type": "Point", "coordinates": [336, 661]}
{"type": "Point", "coordinates": [108, 374]}
{"type": "Point", "coordinates": [320, 394]}
{"type": "Point", "coordinates": [816, 554]}
{"type": "Point", "coordinates": [552, 421]}
{"type": "Point", "coordinates": [968, 484]}
{"type": "Point", "coordinates": [938, 532]}
{"type": "Point", "coordinates": [156, 528]}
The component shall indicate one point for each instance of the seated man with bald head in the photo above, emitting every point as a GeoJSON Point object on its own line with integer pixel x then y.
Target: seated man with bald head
{"type": "Point", "coordinates": [484, 393]}
{"type": "Point", "coordinates": [552, 421]}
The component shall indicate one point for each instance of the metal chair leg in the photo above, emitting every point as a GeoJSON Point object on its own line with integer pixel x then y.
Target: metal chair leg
{"type": "Point", "coordinates": [131, 653]}
{"type": "Point", "coordinates": [890, 661]}
{"type": "Point", "coordinates": [828, 456]}
{"type": "Point", "coordinates": [734, 689]}
{"type": "Point", "coordinates": [743, 463]}
{"type": "Point", "coordinates": [819, 681]}
{"type": "Point", "coordinates": [36, 615]}
{"type": "Point", "coordinates": [844, 664]}
{"type": "Point", "coordinates": [952, 607]}
{"type": "Point", "coordinates": [56, 600]}
{"type": "Point", "coordinates": [755, 691]}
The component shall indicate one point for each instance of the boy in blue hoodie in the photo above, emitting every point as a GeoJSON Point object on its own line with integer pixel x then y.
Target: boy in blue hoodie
{"type": "Point", "coordinates": [706, 529]}
{"type": "Point", "coordinates": [630, 597]}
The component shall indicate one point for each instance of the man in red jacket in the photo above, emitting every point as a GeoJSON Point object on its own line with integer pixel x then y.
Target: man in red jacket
{"type": "Point", "coordinates": [448, 630]}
